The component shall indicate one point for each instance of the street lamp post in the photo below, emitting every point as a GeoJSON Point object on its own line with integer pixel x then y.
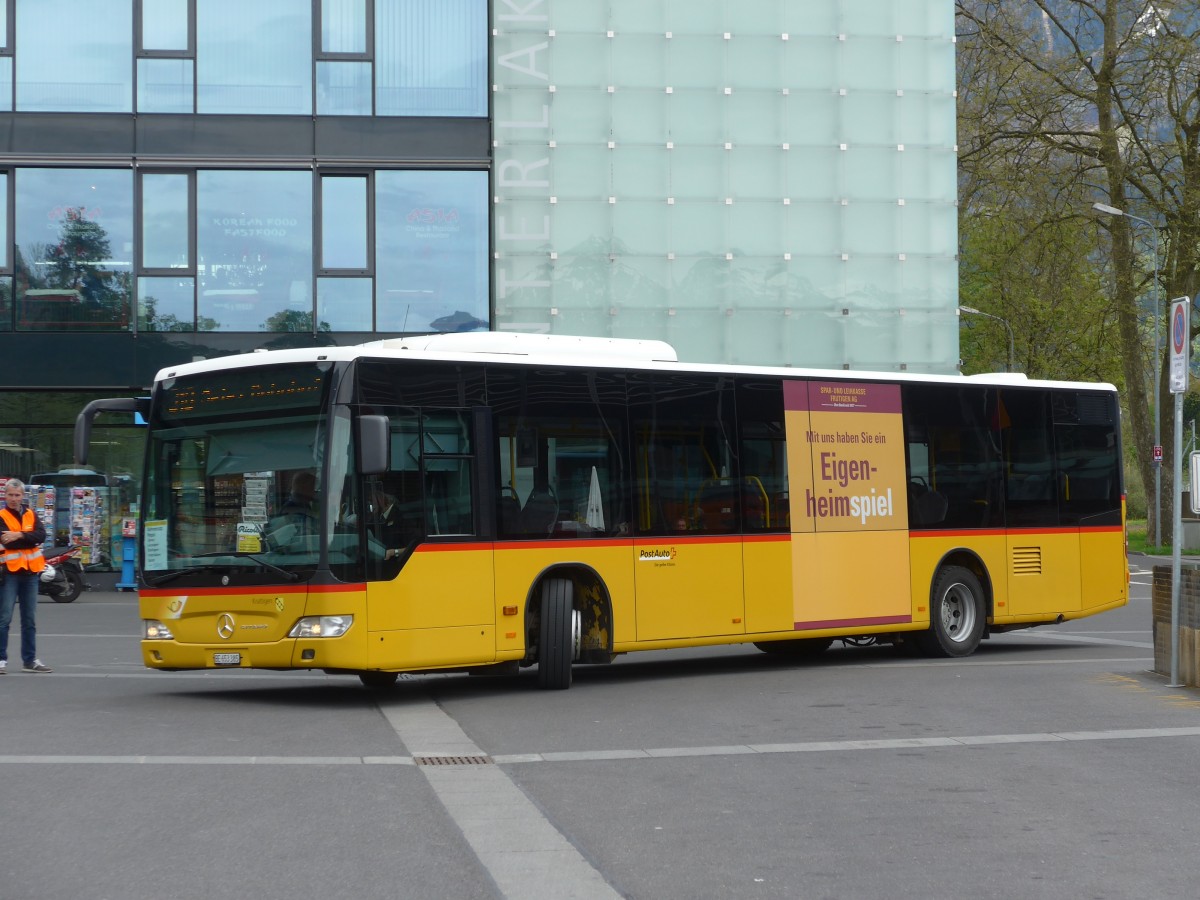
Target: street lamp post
{"type": "Point", "coordinates": [1105, 209]}
{"type": "Point", "coordinates": [1011, 346]}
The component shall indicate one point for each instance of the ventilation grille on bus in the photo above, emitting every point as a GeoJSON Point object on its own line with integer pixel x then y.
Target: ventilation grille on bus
{"type": "Point", "coordinates": [1027, 560]}
{"type": "Point", "coordinates": [452, 760]}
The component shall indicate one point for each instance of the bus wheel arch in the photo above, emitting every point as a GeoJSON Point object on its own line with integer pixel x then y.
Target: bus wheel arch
{"type": "Point", "coordinates": [568, 619]}
{"type": "Point", "coordinates": [960, 603]}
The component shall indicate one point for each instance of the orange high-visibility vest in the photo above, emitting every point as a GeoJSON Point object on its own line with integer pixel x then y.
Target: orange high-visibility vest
{"type": "Point", "coordinates": [27, 557]}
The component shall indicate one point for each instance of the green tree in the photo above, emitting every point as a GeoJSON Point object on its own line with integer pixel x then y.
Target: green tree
{"type": "Point", "coordinates": [79, 262]}
{"type": "Point", "coordinates": [1069, 102]}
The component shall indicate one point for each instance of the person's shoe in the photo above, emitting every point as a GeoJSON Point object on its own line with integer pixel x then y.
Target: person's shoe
{"type": "Point", "coordinates": [37, 666]}
{"type": "Point", "coordinates": [3, 666]}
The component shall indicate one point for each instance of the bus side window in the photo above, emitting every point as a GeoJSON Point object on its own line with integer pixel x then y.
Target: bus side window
{"type": "Point", "coordinates": [684, 453]}
{"type": "Point", "coordinates": [1085, 446]}
{"type": "Point", "coordinates": [1030, 476]}
{"type": "Point", "coordinates": [559, 453]}
{"type": "Point", "coordinates": [954, 471]}
{"type": "Point", "coordinates": [762, 456]}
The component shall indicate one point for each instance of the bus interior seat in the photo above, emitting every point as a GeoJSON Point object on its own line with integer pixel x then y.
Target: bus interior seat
{"type": "Point", "coordinates": [1033, 486]}
{"type": "Point", "coordinates": [508, 509]}
{"type": "Point", "coordinates": [717, 506]}
{"type": "Point", "coordinates": [928, 506]}
{"type": "Point", "coordinates": [540, 512]}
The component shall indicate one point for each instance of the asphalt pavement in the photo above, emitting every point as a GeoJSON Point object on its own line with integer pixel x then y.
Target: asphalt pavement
{"type": "Point", "coordinates": [1051, 763]}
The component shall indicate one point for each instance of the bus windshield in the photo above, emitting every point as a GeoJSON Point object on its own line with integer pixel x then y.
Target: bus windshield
{"type": "Point", "coordinates": [234, 478]}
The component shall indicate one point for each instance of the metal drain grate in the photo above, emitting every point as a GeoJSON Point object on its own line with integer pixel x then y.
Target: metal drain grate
{"type": "Point", "coordinates": [452, 760]}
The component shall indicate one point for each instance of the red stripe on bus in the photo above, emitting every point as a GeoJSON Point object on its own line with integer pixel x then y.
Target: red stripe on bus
{"type": "Point", "coordinates": [765, 538]}
{"type": "Point", "coordinates": [450, 548]}
{"type": "Point", "coordinates": [853, 623]}
{"type": "Point", "coordinates": [688, 539]}
{"type": "Point", "coordinates": [225, 591]}
{"type": "Point", "coordinates": [246, 591]}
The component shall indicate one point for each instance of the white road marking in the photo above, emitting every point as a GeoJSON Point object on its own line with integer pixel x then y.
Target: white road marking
{"type": "Point", "coordinates": [525, 854]}
{"type": "Point", "coordinates": [448, 780]}
{"type": "Point", "coordinates": [1088, 639]}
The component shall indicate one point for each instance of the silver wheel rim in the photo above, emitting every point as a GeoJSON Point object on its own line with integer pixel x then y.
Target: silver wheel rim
{"type": "Point", "coordinates": [958, 612]}
{"type": "Point", "coordinates": [576, 633]}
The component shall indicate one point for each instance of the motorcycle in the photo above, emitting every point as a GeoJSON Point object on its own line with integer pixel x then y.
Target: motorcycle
{"type": "Point", "coordinates": [62, 578]}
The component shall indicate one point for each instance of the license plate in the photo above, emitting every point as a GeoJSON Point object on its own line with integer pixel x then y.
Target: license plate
{"type": "Point", "coordinates": [227, 659]}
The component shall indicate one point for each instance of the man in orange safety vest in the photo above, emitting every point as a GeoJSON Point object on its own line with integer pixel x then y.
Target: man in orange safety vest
{"type": "Point", "coordinates": [21, 537]}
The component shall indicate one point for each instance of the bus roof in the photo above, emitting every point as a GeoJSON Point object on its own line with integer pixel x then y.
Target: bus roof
{"type": "Point", "coordinates": [575, 352]}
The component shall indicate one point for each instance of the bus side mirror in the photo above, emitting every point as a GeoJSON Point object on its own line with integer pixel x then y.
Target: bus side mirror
{"type": "Point", "coordinates": [139, 406]}
{"type": "Point", "coordinates": [373, 442]}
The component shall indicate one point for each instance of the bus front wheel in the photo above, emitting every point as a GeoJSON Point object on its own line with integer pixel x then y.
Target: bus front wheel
{"type": "Point", "coordinates": [557, 638]}
{"type": "Point", "coordinates": [956, 614]}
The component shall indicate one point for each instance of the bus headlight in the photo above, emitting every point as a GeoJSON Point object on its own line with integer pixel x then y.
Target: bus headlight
{"type": "Point", "coordinates": [321, 626]}
{"type": "Point", "coordinates": [154, 630]}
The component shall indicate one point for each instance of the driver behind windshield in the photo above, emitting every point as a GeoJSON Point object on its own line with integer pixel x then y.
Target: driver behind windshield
{"type": "Point", "coordinates": [297, 516]}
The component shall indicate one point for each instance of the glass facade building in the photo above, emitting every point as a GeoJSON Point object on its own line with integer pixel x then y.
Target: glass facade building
{"type": "Point", "coordinates": [752, 180]}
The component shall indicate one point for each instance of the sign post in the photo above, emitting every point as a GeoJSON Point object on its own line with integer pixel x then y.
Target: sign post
{"type": "Point", "coordinates": [1181, 344]}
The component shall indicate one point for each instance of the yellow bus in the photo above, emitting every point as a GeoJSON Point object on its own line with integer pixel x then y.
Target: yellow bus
{"type": "Point", "coordinates": [484, 502]}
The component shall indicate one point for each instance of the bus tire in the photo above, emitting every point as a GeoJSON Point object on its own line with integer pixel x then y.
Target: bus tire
{"type": "Point", "coordinates": [556, 643]}
{"type": "Point", "coordinates": [378, 681]}
{"type": "Point", "coordinates": [956, 614]}
{"type": "Point", "coordinates": [799, 649]}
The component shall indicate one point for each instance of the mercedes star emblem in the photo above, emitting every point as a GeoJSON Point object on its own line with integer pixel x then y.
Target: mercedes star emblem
{"type": "Point", "coordinates": [225, 626]}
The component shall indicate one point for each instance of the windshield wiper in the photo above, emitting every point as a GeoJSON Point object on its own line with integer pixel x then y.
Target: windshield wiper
{"type": "Point", "coordinates": [208, 567]}
{"type": "Point", "coordinates": [290, 576]}
{"type": "Point", "coordinates": [176, 573]}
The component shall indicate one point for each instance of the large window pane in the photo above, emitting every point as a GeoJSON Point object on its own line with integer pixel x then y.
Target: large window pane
{"type": "Point", "coordinates": [344, 304]}
{"type": "Point", "coordinates": [6, 303]}
{"type": "Point", "coordinates": [165, 219]}
{"type": "Point", "coordinates": [254, 68]}
{"type": "Point", "coordinates": [254, 239]}
{"type": "Point", "coordinates": [343, 222]}
{"type": "Point", "coordinates": [167, 304]}
{"type": "Point", "coordinates": [6, 83]}
{"type": "Point", "coordinates": [81, 64]}
{"type": "Point", "coordinates": [165, 85]}
{"type": "Point", "coordinates": [431, 251]}
{"type": "Point", "coordinates": [164, 24]}
{"type": "Point", "coordinates": [74, 240]}
{"type": "Point", "coordinates": [431, 57]}
{"type": "Point", "coordinates": [3, 220]}
{"type": "Point", "coordinates": [343, 26]}
{"type": "Point", "coordinates": [343, 88]}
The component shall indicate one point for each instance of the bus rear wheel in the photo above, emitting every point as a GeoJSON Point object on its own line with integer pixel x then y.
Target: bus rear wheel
{"type": "Point", "coordinates": [558, 637]}
{"type": "Point", "coordinates": [956, 614]}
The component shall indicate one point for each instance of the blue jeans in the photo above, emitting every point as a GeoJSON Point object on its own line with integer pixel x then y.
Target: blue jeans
{"type": "Point", "coordinates": [19, 587]}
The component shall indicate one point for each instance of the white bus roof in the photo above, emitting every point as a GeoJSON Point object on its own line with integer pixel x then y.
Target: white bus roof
{"type": "Point", "coordinates": [577, 352]}
{"type": "Point", "coordinates": [521, 344]}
